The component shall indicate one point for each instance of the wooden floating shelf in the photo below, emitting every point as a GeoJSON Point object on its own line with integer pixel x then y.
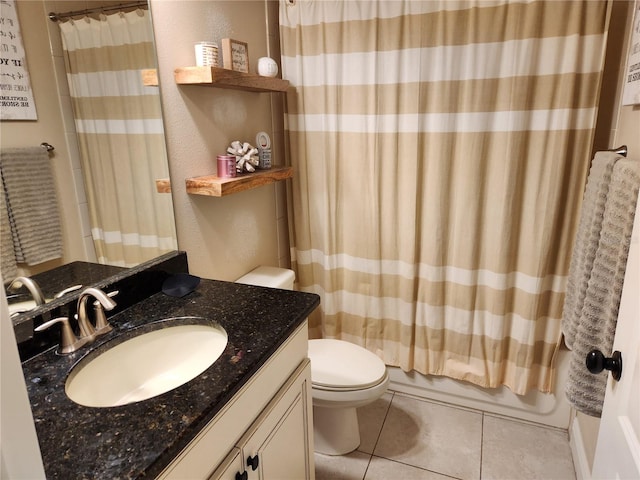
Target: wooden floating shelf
{"type": "Point", "coordinates": [150, 77]}
{"type": "Point", "coordinates": [213, 186]}
{"type": "Point", "coordinates": [163, 185]}
{"type": "Point", "coordinates": [224, 78]}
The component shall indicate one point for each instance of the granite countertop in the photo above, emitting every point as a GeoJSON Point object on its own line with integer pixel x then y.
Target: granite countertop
{"type": "Point", "coordinates": [140, 439]}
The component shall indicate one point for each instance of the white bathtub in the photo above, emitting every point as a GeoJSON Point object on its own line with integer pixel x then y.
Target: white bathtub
{"type": "Point", "coordinates": [547, 409]}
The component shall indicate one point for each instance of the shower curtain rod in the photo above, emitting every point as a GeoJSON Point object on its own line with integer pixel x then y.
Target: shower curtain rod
{"type": "Point", "coordinates": [54, 17]}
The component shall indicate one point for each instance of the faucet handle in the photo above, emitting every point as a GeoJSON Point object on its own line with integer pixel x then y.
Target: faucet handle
{"type": "Point", "coordinates": [110, 295]}
{"type": "Point", "coordinates": [68, 341]}
{"type": "Point", "coordinates": [102, 325]}
{"type": "Point", "coordinates": [62, 293]}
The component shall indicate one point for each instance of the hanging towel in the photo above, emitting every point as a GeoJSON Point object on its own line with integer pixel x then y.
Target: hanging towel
{"type": "Point", "coordinates": [599, 315]}
{"type": "Point", "coordinates": [31, 204]}
{"type": "Point", "coordinates": [8, 265]}
{"type": "Point", "coordinates": [586, 243]}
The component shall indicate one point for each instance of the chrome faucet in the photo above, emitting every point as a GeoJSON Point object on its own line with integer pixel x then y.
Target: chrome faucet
{"type": "Point", "coordinates": [87, 331]}
{"type": "Point", "coordinates": [31, 285]}
{"type": "Point", "coordinates": [69, 343]}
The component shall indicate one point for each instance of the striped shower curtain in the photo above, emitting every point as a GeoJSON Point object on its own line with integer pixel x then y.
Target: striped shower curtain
{"type": "Point", "coordinates": [121, 136]}
{"type": "Point", "coordinates": [441, 150]}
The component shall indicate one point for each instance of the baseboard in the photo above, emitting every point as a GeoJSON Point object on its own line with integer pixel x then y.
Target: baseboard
{"type": "Point", "coordinates": [578, 452]}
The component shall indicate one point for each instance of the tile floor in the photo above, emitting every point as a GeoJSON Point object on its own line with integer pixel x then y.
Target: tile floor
{"type": "Point", "coordinates": [404, 438]}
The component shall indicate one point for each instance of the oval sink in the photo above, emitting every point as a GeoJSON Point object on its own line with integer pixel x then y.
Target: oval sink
{"type": "Point", "coordinates": [146, 365]}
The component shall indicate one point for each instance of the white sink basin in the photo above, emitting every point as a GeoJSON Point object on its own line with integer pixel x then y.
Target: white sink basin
{"type": "Point", "coordinates": [145, 366]}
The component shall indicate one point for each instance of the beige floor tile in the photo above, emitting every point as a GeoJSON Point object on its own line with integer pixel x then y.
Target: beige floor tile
{"type": "Point", "coordinates": [383, 469]}
{"type": "Point", "coordinates": [370, 420]}
{"type": "Point", "coordinates": [341, 467]}
{"type": "Point", "coordinates": [514, 450]}
{"type": "Point", "coordinates": [434, 437]}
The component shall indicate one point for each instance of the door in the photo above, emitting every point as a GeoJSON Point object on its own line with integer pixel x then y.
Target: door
{"type": "Point", "coordinates": [618, 448]}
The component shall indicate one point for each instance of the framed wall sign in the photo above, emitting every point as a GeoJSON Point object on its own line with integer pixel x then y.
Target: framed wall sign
{"type": "Point", "coordinates": [631, 94]}
{"type": "Point", "coordinates": [16, 96]}
{"type": "Point", "coordinates": [235, 55]}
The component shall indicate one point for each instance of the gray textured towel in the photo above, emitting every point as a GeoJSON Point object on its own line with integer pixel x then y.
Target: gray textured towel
{"type": "Point", "coordinates": [32, 204]}
{"type": "Point", "coordinates": [599, 315]}
{"type": "Point", "coordinates": [8, 265]}
{"type": "Point", "coordinates": [586, 243]}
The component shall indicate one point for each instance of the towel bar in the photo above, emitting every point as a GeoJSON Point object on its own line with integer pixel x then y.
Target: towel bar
{"type": "Point", "coordinates": [621, 150]}
{"type": "Point", "coordinates": [48, 146]}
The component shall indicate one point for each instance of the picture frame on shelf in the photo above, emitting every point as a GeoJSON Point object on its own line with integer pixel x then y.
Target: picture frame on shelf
{"type": "Point", "coordinates": [235, 55]}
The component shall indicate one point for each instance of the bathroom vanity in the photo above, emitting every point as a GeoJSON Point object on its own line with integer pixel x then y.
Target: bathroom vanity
{"type": "Point", "coordinates": [274, 411]}
{"type": "Point", "coordinates": [246, 416]}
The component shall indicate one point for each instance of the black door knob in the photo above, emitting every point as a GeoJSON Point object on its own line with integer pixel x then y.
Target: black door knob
{"type": "Point", "coordinates": [242, 476]}
{"type": "Point", "coordinates": [596, 362]}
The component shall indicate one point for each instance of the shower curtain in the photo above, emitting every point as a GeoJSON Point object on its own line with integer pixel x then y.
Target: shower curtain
{"type": "Point", "coordinates": [121, 136]}
{"type": "Point", "coordinates": [440, 152]}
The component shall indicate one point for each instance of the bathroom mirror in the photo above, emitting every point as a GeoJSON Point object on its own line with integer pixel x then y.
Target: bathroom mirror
{"type": "Point", "coordinates": [57, 280]}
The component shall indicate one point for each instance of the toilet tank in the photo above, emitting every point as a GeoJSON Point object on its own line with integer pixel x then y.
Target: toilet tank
{"type": "Point", "coordinates": [273, 277]}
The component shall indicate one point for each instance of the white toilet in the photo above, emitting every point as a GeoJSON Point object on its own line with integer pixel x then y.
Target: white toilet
{"type": "Point", "coordinates": [344, 376]}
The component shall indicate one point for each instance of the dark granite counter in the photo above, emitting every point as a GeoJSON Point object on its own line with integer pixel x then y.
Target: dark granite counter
{"type": "Point", "coordinates": [140, 439]}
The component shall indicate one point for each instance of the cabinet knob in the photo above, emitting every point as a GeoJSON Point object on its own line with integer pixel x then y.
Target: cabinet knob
{"type": "Point", "coordinates": [253, 462]}
{"type": "Point", "coordinates": [242, 476]}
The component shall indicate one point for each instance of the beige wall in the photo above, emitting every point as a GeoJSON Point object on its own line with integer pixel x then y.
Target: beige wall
{"type": "Point", "coordinates": [624, 124]}
{"type": "Point", "coordinates": [51, 128]}
{"type": "Point", "coordinates": [223, 237]}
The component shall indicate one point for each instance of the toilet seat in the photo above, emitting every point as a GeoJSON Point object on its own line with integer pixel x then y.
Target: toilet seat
{"type": "Point", "coordinates": [337, 365]}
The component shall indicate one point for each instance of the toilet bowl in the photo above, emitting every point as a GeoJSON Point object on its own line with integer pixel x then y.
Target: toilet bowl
{"type": "Point", "coordinates": [344, 376]}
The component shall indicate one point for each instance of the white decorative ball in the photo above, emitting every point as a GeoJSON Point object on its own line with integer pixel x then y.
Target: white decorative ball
{"type": "Point", "coordinates": [267, 67]}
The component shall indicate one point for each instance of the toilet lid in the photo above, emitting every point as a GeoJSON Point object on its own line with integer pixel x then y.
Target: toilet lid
{"type": "Point", "coordinates": [340, 364]}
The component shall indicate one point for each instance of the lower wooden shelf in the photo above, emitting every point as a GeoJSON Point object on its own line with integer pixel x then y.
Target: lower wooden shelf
{"type": "Point", "coordinates": [163, 185]}
{"type": "Point", "coordinates": [213, 186]}
{"type": "Point", "coordinates": [149, 77]}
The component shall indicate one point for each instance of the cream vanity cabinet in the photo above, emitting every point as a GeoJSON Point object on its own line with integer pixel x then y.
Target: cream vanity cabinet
{"type": "Point", "coordinates": [265, 431]}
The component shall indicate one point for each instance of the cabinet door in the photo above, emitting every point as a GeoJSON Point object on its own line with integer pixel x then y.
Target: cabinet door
{"type": "Point", "coordinates": [231, 467]}
{"type": "Point", "coordinates": [280, 444]}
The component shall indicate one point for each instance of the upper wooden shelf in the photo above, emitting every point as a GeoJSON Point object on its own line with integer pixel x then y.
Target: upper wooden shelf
{"type": "Point", "coordinates": [213, 186]}
{"type": "Point", "coordinates": [224, 78]}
